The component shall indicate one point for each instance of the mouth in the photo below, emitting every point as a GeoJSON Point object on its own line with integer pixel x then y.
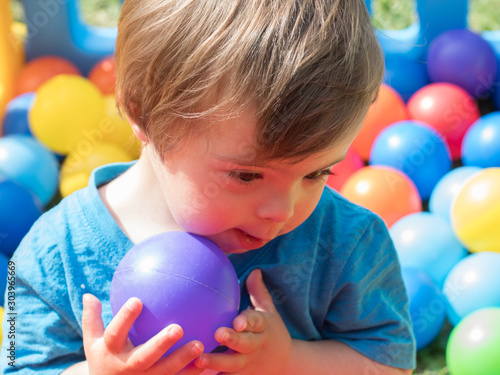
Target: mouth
{"type": "Point", "coordinates": [249, 242]}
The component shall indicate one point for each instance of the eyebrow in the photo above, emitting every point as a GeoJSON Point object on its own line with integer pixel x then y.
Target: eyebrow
{"type": "Point", "coordinates": [246, 162]}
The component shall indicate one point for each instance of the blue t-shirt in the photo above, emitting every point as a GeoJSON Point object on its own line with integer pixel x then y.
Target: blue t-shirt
{"type": "Point", "coordinates": [335, 277]}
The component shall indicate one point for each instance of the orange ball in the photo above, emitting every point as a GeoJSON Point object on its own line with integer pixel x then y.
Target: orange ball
{"type": "Point", "coordinates": [103, 75]}
{"type": "Point", "coordinates": [384, 190]}
{"type": "Point", "coordinates": [388, 109]}
{"type": "Point", "coordinates": [40, 70]}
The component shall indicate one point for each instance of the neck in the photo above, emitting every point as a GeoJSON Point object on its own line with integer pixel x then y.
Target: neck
{"type": "Point", "coordinates": [135, 201]}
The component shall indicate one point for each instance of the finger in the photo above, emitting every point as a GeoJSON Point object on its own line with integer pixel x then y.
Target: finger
{"type": "Point", "coordinates": [178, 360]}
{"type": "Point", "coordinates": [259, 295]}
{"type": "Point", "coordinates": [116, 334]}
{"type": "Point", "coordinates": [222, 362]}
{"type": "Point", "coordinates": [146, 355]}
{"type": "Point", "coordinates": [250, 321]}
{"type": "Point", "coordinates": [242, 342]}
{"type": "Point", "coordinates": [92, 326]}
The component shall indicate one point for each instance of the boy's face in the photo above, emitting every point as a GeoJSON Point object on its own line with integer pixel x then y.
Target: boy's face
{"type": "Point", "coordinates": [209, 189]}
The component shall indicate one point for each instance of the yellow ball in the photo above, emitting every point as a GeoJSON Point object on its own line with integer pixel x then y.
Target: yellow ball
{"type": "Point", "coordinates": [476, 212]}
{"type": "Point", "coordinates": [77, 167]}
{"type": "Point", "coordinates": [67, 110]}
{"type": "Point", "coordinates": [118, 131]}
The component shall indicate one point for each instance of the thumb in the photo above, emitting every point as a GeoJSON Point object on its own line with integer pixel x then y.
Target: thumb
{"type": "Point", "coordinates": [259, 295]}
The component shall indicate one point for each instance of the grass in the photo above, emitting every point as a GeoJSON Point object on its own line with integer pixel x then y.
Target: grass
{"type": "Point", "coordinates": [387, 14]}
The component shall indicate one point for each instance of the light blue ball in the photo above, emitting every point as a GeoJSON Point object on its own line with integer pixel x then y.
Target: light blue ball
{"type": "Point", "coordinates": [426, 241]}
{"type": "Point", "coordinates": [481, 143]}
{"type": "Point", "coordinates": [447, 189]}
{"type": "Point", "coordinates": [473, 284]}
{"type": "Point", "coordinates": [415, 149]}
{"type": "Point", "coordinates": [427, 306]}
{"type": "Point", "coordinates": [26, 161]}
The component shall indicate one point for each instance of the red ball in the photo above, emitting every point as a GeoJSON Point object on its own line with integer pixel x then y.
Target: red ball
{"type": "Point", "coordinates": [40, 70]}
{"type": "Point", "coordinates": [448, 109]}
{"type": "Point", "coordinates": [343, 170]}
{"type": "Point", "coordinates": [103, 75]}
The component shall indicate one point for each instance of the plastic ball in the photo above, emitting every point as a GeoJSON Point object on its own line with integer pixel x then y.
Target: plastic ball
{"type": "Point", "coordinates": [15, 119]}
{"type": "Point", "coordinates": [427, 242]}
{"type": "Point", "coordinates": [19, 210]}
{"type": "Point", "coordinates": [473, 345]}
{"type": "Point", "coordinates": [4, 273]}
{"type": "Point", "coordinates": [405, 75]}
{"type": "Point", "coordinates": [118, 130]}
{"type": "Point", "coordinates": [78, 166]}
{"type": "Point", "coordinates": [481, 144]}
{"type": "Point", "coordinates": [27, 162]}
{"type": "Point", "coordinates": [343, 170]}
{"type": "Point", "coordinates": [417, 150]}
{"type": "Point", "coordinates": [67, 110]}
{"type": "Point", "coordinates": [475, 212]}
{"type": "Point", "coordinates": [472, 284]}
{"type": "Point", "coordinates": [383, 190]}
{"type": "Point", "coordinates": [447, 108]}
{"type": "Point", "coordinates": [464, 58]}
{"type": "Point", "coordinates": [447, 189]}
{"type": "Point", "coordinates": [103, 75]}
{"type": "Point", "coordinates": [427, 306]}
{"type": "Point", "coordinates": [40, 70]}
{"type": "Point", "coordinates": [180, 278]}
{"type": "Point", "coordinates": [388, 109]}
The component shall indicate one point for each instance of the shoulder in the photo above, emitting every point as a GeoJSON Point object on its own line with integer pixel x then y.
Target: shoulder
{"type": "Point", "coordinates": [343, 224]}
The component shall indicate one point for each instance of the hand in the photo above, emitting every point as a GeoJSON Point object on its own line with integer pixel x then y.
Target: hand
{"type": "Point", "coordinates": [111, 352]}
{"type": "Point", "coordinates": [259, 342]}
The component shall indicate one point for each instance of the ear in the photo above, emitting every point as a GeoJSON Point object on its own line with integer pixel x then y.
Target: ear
{"type": "Point", "coordinates": [138, 132]}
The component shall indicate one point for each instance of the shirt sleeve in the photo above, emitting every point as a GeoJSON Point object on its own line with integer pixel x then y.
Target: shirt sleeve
{"type": "Point", "coordinates": [369, 311]}
{"type": "Point", "coordinates": [42, 336]}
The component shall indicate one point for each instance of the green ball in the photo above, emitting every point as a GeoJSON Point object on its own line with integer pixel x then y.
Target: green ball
{"type": "Point", "coordinates": [473, 346]}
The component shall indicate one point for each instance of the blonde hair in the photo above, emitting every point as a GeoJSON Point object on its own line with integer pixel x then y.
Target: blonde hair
{"type": "Point", "coordinates": [311, 67]}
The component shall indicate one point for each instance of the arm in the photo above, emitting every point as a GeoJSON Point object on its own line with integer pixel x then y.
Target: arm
{"type": "Point", "coordinates": [321, 357]}
{"type": "Point", "coordinates": [80, 368]}
{"type": "Point", "coordinates": [260, 344]}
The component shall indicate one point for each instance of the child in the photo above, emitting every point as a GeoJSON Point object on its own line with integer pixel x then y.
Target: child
{"type": "Point", "coordinates": [242, 106]}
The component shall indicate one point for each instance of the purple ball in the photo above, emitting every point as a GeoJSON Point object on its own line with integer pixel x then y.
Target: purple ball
{"type": "Point", "coordinates": [180, 278]}
{"type": "Point", "coordinates": [464, 58]}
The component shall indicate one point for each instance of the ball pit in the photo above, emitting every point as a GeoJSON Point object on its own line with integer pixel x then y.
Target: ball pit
{"type": "Point", "coordinates": [415, 149]}
{"type": "Point", "coordinates": [384, 190]}
{"type": "Point", "coordinates": [448, 109]}
{"type": "Point", "coordinates": [180, 278]}
{"type": "Point", "coordinates": [480, 146]}
{"type": "Point", "coordinates": [67, 110]}
{"type": "Point", "coordinates": [464, 58]}
{"type": "Point", "coordinates": [427, 306]}
{"type": "Point", "coordinates": [27, 162]}
{"type": "Point", "coordinates": [15, 120]}
{"type": "Point", "coordinates": [472, 284]}
{"type": "Point", "coordinates": [40, 70]}
{"type": "Point", "coordinates": [447, 189]}
{"type": "Point", "coordinates": [426, 241]}
{"type": "Point", "coordinates": [475, 212]}
{"type": "Point", "coordinates": [388, 109]}
{"type": "Point", "coordinates": [473, 345]}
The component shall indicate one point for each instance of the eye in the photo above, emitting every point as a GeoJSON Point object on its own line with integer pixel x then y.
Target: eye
{"type": "Point", "coordinates": [318, 174]}
{"type": "Point", "coordinates": [245, 177]}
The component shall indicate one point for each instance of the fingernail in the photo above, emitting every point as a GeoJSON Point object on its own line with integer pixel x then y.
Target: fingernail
{"type": "Point", "coordinates": [175, 332]}
{"type": "Point", "coordinates": [132, 303]}
{"type": "Point", "coordinates": [202, 361]}
{"type": "Point", "coordinates": [196, 348]}
{"type": "Point", "coordinates": [85, 298]}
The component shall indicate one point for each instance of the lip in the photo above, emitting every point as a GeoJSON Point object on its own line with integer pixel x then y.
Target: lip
{"type": "Point", "coordinates": [247, 241]}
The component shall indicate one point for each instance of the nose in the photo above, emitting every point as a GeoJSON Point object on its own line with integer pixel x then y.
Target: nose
{"type": "Point", "coordinates": [277, 207]}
